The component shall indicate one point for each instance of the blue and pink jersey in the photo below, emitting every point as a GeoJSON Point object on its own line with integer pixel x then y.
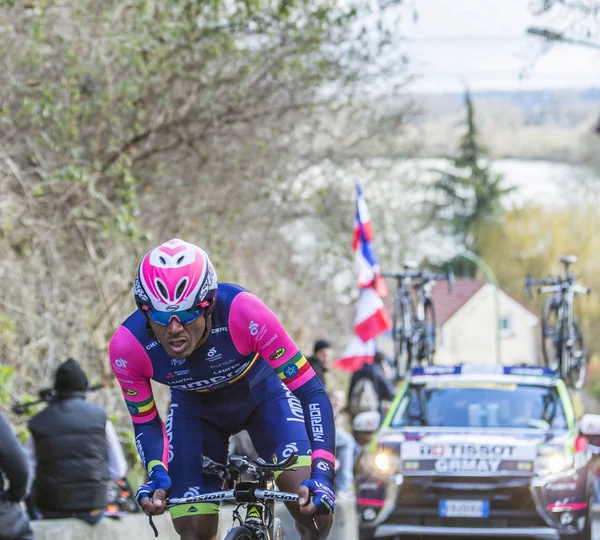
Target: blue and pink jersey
{"type": "Point", "coordinates": [246, 343]}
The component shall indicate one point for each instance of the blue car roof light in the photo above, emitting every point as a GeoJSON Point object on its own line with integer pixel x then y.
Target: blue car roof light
{"type": "Point", "coordinates": [475, 369]}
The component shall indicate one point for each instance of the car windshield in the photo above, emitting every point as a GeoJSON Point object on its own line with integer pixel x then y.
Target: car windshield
{"type": "Point", "coordinates": [475, 405]}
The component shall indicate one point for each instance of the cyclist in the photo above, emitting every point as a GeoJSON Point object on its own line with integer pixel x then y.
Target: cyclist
{"type": "Point", "coordinates": [230, 365]}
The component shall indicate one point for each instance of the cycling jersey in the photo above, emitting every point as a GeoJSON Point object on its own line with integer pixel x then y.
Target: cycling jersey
{"type": "Point", "coordinates": [247, 343]}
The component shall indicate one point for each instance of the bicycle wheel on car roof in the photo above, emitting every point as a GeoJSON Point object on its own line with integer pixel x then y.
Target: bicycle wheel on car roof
{"type": "Point", "coordinates": [551, 335]}
{"type": "Point", "coordinates": [429, 333]}
{"type": "Point", "coordinates": [575, 358]}
{"type": "Point", "coordinates": [400, 327]}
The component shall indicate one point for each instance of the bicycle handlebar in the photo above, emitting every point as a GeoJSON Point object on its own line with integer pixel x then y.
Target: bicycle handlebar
{"type": "Point", "coordinates": [401, 275]}
{"type": "Point", "coordinates": [579, 289]}
{"type": "Point", "coordinates": [423, 276]}
{"type": "Point", "coordinates": [552, 285]}
{"type": "Point", "coordinates": [240, 464]}
{"type": "Point", "coordinates": [231, 494]}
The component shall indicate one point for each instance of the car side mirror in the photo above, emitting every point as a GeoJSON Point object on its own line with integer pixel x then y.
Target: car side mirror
{"type": "Point", "coordinates": [365, 425]}
{"type": "Point", "coordinates": [589, 425]}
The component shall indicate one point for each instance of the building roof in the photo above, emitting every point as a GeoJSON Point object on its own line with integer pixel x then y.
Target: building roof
{"type": "Point", "coordinates": [447, 304]}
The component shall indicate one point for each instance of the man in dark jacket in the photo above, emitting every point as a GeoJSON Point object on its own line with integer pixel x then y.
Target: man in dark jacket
{"type": "Point", "coordinates": [71, 451]}
{"type": "Point", "coordinates": [321, 359]}
{"type": "Point", "coordinates": [14, 524]}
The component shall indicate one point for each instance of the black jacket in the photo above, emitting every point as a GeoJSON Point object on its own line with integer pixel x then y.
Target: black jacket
{"type": "Point", "coordinates": [14, 524]}
{"type": "Point", "coordinates": [71, 454]}
{"type": "Point", "coordinates": [383, 386]}
{"type": "Point", "coordinates": [318, 369]}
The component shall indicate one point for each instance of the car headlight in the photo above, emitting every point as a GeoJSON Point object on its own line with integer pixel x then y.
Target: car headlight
{"type": "Point", "coordinates": [383, 462]}
{"type": "Point", "coordinates": [386, 462]}
{"type": "Point", "coordinates": [554, 463]}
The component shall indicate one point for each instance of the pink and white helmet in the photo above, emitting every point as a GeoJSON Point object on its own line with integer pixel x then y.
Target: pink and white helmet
{"type": "Point", "coordinates": [174, 278]}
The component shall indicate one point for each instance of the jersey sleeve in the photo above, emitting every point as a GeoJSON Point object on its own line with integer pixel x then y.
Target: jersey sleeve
{"type": "Point", "coordinates": [133, 369]}
{"type": "Point", "coordinates": [255, 328]}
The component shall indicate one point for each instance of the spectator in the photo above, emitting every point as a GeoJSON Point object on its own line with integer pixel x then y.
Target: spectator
{"type": "Point", "coordinates": [14, 477]}
{"type": "Point", "coordinates": [240, 444]}
{"type": "Point", "coordinates": [370, 385]}
{"type": "Point", "coordinates": [321, 359]}
{"type": "Point", "coordinates": [345, 449]}
{"type": "Point", "coordinates": [76, 451]}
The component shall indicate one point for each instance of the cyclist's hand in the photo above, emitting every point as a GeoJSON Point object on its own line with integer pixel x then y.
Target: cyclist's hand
{"type": "Point", "coordinates": [152, 495]}
{"type": "Point", "coordinates": [321, 487]}
{"type": "Point", "coordinates": [157, 505]}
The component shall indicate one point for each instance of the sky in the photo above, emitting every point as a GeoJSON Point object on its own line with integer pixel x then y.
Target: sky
{"type": "Point", "coordinates": [484, 43]}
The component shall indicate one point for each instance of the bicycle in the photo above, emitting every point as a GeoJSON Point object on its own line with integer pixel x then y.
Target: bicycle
{"type": "Point", "coordinates": [257, 497]}
{"type": "Point", "coordinates": [413, 319]}
{"type": "Point", "coordinates": [563, 347]}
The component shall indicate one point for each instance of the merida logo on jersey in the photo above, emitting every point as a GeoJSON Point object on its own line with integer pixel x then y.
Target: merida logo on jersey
{"type": "Point", "coordinates": [316, 422]}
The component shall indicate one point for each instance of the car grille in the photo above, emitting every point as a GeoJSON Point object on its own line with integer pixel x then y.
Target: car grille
{"type": "Point", "coordinates": [511, 504]}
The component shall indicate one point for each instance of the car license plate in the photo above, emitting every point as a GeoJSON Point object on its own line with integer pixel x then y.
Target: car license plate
{"type": "Point", "coordinates": [458, 508]}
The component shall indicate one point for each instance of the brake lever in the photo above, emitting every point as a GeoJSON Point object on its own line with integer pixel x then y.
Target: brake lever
{"type": "Point", "coordinates": [153, 526]}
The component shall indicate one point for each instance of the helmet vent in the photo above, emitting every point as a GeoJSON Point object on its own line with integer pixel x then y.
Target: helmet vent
{"type": "Point", "coordinates": [180, 289]}
{"type": "Point", "coordinates": [181, 259]}
{"type": "Point", "coordinates": [162, 289]}
{"type": "Point", "coordinates": [162, 260]}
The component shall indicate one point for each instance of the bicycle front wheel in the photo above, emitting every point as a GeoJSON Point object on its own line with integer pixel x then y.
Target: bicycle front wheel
{"type": "Point", "coordinates": [239, 533]}
{"type": "Point", "coordinates": [551, 346]}
{"type": "Point", "coordinates": [277, 533]}
{"type": "Point", "coordinates": [397, 335]}
{"type": "Point", "coordinates": [429, 333]}
{"type": "Point", "coordinates": [401, 344]}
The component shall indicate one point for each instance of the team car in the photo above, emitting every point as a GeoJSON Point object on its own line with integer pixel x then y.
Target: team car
{"type": "Point", "coordinates": [477, 450]}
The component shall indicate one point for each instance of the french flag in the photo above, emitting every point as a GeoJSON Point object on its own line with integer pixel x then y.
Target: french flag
{"type": "Point", "coordinates": [356, 354]}
{"type": "Point", "coordinates": [372, 318]}
{"type": "Point", "coordinates": [366, 261]}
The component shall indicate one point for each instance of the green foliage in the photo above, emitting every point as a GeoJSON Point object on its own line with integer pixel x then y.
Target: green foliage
{"type": "Point", "coordinates": [6, 375]}
{"type": "Point", "coordinates": [123, 120]}
{"type": "Point", "coordinates": [7, 327]}
{"type": "Point", "coordinates": [469, 195]}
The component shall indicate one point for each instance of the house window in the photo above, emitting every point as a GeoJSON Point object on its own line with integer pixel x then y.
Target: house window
{"type": "Point", "coordinates": [506, 326]}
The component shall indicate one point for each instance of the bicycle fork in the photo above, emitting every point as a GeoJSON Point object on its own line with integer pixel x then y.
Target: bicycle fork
{"type": "Point", "coordinates": [255, 521]}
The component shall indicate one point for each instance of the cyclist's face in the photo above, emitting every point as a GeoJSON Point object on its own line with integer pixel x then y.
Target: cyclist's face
{"type": "Point", "coordinates": [180, 340]}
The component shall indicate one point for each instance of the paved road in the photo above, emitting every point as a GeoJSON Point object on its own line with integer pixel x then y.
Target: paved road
{"type": "Point", "coordinates": [344, 527]}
